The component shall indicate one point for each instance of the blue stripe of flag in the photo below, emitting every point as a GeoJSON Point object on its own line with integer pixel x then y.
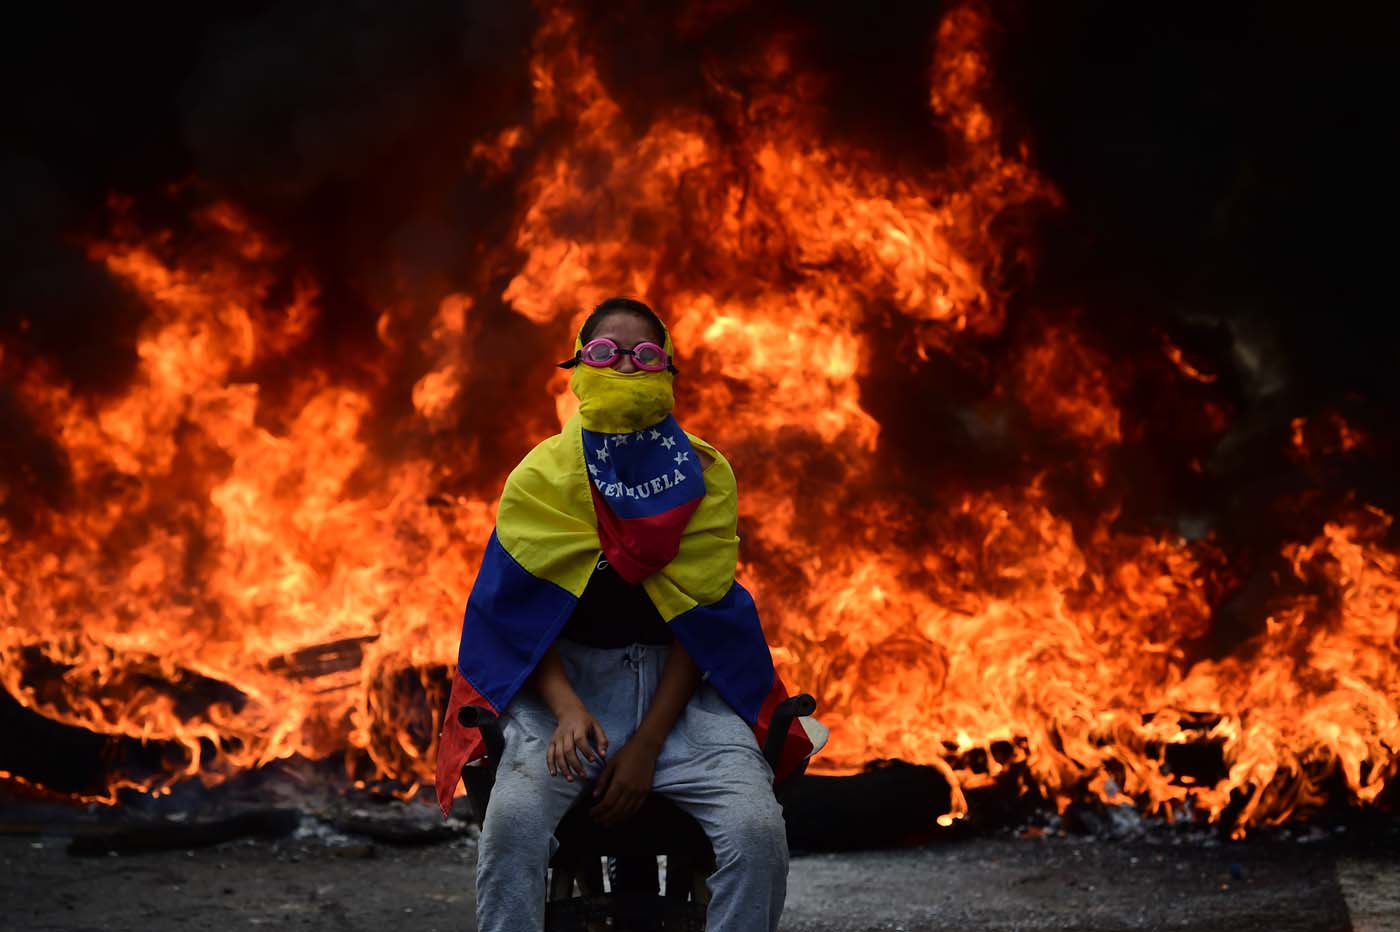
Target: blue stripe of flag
{"type": "Point", "coordinates": [645, 473]}
{"type": "Point", "coordinates": [725, 639]}
{"type": "Point", "coordinates": [512, 618]}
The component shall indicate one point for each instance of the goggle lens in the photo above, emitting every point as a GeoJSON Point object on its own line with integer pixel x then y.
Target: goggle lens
{"type": "Point", "coordinates": [599, 352]}
{"type": "Point", "coordinates": [649, 356]}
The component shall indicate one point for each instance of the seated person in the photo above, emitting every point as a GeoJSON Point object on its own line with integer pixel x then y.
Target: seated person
{"type": "Point", "coordinates": [606, 629]}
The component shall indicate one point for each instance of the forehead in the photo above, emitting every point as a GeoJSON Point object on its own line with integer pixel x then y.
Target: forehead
{"type": "Point", "coordinates": [625, 329]}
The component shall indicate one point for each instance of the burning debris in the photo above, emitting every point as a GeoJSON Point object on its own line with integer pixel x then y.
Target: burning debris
{"type": "Point", "coordinates": [256, 547]}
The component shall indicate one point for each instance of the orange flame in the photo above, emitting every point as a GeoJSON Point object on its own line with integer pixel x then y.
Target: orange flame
{"type": "Point", "coordinates": [216, 532]}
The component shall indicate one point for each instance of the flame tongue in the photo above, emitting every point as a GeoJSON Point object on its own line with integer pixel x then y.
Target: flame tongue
{"type": "Point", "coordinates": [244, 567]}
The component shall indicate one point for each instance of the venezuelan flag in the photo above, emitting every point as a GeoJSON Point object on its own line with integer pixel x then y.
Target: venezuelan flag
{"type": "Point", "coordinates": [643, 500]}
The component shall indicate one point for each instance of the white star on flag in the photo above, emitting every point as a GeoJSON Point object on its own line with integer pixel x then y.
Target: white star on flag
{"type": "Point", "coordinates": [655, 434]}
{"type": "Point", "coordinates": [593, 468]}
{"type": "Point", "coordinates": [620, 440]}
{"type": "Point", "coordinates": [602, 453]}
{"type": "Point", "coordinates": [681, 458]}
{"type": "Point", "coordinates": [668, 442]}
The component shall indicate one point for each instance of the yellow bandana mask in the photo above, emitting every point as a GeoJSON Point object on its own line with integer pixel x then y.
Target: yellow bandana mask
{"type": "Point", "coordinates": [612, 402]}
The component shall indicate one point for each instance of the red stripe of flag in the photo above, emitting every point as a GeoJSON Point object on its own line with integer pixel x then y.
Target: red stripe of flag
{"type": "Point", "coordinates": [638, 547]}
{"type": "Point", "coordinates": [459, 744]}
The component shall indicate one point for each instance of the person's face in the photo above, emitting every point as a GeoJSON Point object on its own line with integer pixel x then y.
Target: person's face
{"type": "Point", "coordinates": [626, 330]}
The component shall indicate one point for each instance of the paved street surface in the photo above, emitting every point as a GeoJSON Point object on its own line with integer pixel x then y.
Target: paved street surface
{"type": "Point", "coordinates": [1372, 891]}
{"type": "Point", "coordinates": [1069, 884]}
{"type": "Point", "coordinates": [317, 882]}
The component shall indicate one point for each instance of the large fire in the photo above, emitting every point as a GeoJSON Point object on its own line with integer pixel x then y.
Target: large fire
{"type": "Point", "coordinates": [254, 560]}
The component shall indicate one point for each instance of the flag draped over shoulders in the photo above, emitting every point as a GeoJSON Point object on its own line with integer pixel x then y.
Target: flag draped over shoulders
{"type": "Point", "coordinates": [642, 500]}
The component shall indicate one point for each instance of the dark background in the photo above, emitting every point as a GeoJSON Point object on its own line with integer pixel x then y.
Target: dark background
{"type": "Point", "coordinates": [1224, 168]}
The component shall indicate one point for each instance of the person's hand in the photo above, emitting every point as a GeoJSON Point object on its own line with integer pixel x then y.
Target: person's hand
{"type": "Point", "coordinates": [578, 732]}
{"type": "Point", "coordinates": [625, 782]}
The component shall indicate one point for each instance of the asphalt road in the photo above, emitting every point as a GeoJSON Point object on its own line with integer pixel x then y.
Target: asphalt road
{"type": "Point", "coordinates": [316, 881]}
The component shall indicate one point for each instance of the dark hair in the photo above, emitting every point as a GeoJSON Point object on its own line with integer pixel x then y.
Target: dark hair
{"type": "Point", "coordinates": [619, 305]}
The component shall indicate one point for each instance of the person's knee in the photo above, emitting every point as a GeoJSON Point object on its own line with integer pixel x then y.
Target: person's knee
{"type": "Point", "coordinates": [756, 833]}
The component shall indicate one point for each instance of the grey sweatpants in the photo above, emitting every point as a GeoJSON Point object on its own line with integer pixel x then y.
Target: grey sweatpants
{"type": "Point", "coordinates": [710, 766]}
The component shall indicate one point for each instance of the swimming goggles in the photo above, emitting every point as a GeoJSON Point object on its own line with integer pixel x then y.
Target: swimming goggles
{"type": "Point", "coordinates": [603, 352]}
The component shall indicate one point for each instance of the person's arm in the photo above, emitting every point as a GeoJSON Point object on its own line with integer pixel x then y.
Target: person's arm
{"type": "Point", "coordinates": [576, 725]}
{"type": "Point", "coordinates": [626, 779]}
